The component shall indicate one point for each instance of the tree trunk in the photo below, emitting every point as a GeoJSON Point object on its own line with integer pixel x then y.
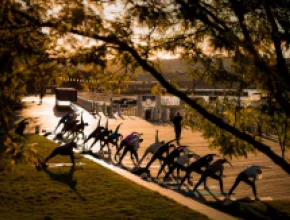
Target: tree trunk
{"type": "Point", "coordinates": [283, 153]}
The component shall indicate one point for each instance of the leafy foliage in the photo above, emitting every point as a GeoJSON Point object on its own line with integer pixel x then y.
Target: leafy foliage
{"type": "Point", "coordinates": [228, 144]}
{"type": "Point", "coordinates": [253, 35]}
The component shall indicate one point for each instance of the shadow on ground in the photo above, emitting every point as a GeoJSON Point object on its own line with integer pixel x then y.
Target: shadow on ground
{"type": "Point", "coordinates": [66, 178]}
{"type": "Point", "coordinates": [255, 209]}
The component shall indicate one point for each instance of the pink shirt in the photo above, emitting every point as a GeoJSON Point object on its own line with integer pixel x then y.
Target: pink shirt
{"type": "Point", "coordinates": [130, 137]}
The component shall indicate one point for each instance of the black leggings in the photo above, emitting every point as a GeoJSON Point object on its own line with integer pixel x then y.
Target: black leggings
{"type": "Point", "coordinates": [213, 175]}
{"type": "Point", "coordinates": [191, 169]}
{"type": "Point", "coordinates": [177, 130]}
{"type": "Point", "coordinates": [243, 177]}
{"type": "Point", "coordinates": [122, 145]}
{"type": "Point", "coordinates": [156, 156]}
{"type": "Point", "coordinates": [132, 150]}
{"type": "Point", "coordinates": [167, 162]}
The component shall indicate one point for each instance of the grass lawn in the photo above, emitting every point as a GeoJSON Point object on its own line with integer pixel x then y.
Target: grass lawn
{"type": "Point", "coordinates": [256, 209]}
{"type": "Point", "coordinates": [99, 193]}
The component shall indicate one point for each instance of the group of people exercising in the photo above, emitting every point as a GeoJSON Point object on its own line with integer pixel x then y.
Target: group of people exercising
{"type": "Point", "coordinates": [172, 158]}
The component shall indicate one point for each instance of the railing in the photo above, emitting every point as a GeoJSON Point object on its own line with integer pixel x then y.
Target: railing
{"type": "Point", "coordinates": [129, 111]}
{"type": "Point", "coordinates": [84, 103]}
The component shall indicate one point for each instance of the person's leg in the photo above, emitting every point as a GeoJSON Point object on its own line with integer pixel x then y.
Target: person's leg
{"type": "Point", "coordinates": [155, 157]}
{"type": "Point", "coordinates": [162, 168]}
{"type": "Point", "coordinates": [102, 145]}
{"type": "Point", "coordinates": [83, 134]}
{"type": "Point", "coordinates": [253, 185]}
{"type": "Point", "coordinates": [134, 152]}
{"type": "Point", "coordinates": [72, 158]}
{"type": "Point", "coordinates": [55, 152]}
{"type": "Point", "coordinates": [89, 137]}
{"type": "Point", "coordinates": [220, 179]}
{"type": "Point", "coordinates": [186, 176]}
{"type": "Point", "coordinates": [177, 133]}
{"type": "Point", "coordinates": [178, 173]}
{"type": "Point", "coordinates": [58, 124]}
{"type": "Point", "coordinates": [96, 138]}
{"type": "Point", "coordinates": [123, 143]}
{"type": "Point", "coordinates": [170, 171]}
{"type": "Point", "coordinates": [193, 167]}
{"type": "Point", "coordinates": [65, 127]}
{"type": "Point", "coordinates": [201, 180]}
{"type": "Point", "coordinates": [236, 183]}
{"type": "Point", "coordinates": [126, 149]}
{"type": "Point", "coordinates": [221, 184]}
{"type": "Point", "coordinates": [198, 170]}
{"type": "Point", "coordinates": [143, 157]}
{"type": "Point", "coordinates": [106, 144]}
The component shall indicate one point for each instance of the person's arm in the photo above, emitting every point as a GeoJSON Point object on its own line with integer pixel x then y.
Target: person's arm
{"type": "Point", "coordinates": [134, 133]}
{"type": "Point", "coordinates": [174, 121]}
{"type": "Point", "coordinates": [193, 155]}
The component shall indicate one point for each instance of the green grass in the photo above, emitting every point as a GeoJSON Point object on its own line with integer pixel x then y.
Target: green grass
{"type": "Point", "coordinates": [257, 210]}
{"type": "Point", "coordinates": [99, 194]}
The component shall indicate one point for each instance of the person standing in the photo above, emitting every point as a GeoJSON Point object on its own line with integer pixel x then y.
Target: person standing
{"type": "Point", "coordinates": [177, 126]}
{"type": "Point", "coordinates": [41, 94]}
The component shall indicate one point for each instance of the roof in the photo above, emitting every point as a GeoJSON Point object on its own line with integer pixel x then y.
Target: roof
{"type": "Point", "coordinates": [66, 89]}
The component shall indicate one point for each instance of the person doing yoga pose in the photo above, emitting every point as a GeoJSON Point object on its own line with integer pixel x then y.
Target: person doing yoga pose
{"type": "Point", "coordinates": [111, 138]}
{"type": "Point", "coordinates": [169, 159]}
{"type": "Point", "coordinates": [164, 149]}
{"type": "Point", "coordinates": [153, 148]}
{"type": "Point", "coordinates": [69, 124]}
{"type": "Point", "coordinates": [179, 164]}
{"type": "Point", "coordinates": [132, 146]}
{"type": "Point", "coordinates": [248, 176]}
{"type": "Point", "coordinates": [79, 128]}
{"type": "Point", "coordinates": [215, 171]}
{"type": "Point", "coordinates": [65, 150]}
{"type": "Point", "coordinates": [95, 134]}
{"type": "Point", "coordinates": [126, 140]}
{"type": "Point", "coordinates": [199, 166]}
{"type": "Point", "coordinates": [64, 119]}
